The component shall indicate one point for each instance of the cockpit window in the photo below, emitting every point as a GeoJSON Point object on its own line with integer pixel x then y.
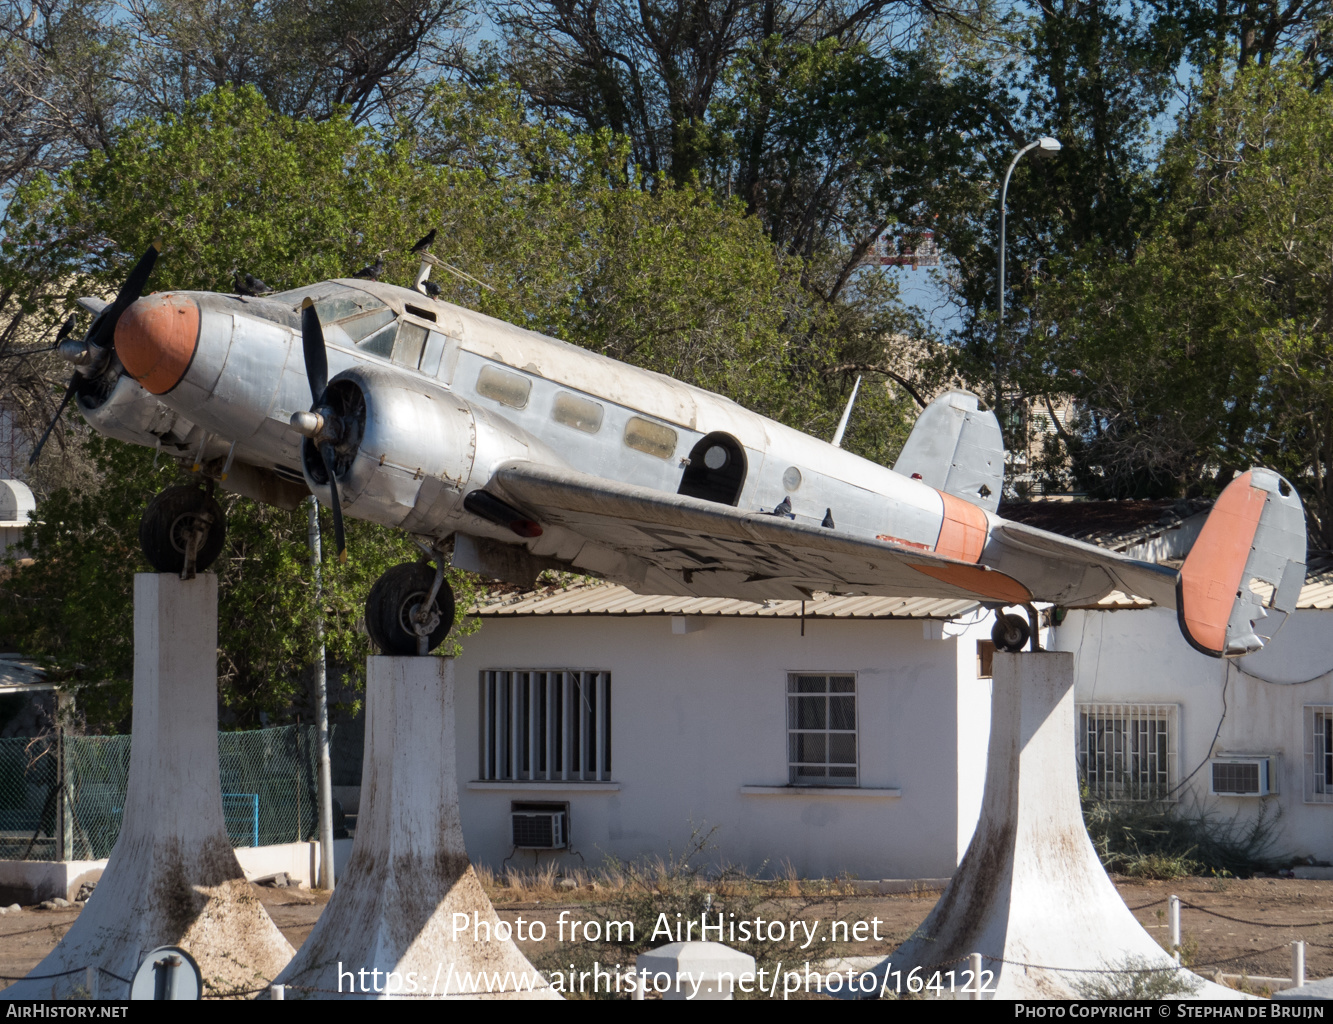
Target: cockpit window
{"type": "Point", "coordinates": [335, 302]}
{"type": "Point", "coordinates": [366, 324]}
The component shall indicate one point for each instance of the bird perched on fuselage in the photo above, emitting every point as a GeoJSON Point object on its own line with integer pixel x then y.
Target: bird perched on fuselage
{"type": "Point", "coordinates": [371, 272]}
{"type": "Point", "coordinates": [248, 284]}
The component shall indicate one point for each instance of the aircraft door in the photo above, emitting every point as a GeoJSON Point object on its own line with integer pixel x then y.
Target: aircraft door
{"type": "Point", "coordinates": [716, 471]}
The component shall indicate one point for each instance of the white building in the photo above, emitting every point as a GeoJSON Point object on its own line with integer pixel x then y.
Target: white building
{"type": "Point", "coordinates": [848, 739]}
{"type": "Point", "coordinates": [16, 507]}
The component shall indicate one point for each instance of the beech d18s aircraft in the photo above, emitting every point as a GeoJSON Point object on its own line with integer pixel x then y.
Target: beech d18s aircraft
{"type": "Point", "coordinates": [507, 452]}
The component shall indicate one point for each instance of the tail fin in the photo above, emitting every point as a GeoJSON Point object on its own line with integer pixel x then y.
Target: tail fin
{"type": "Point", "coordinates": [958, 449]}
{"type": "Point", "coordinates": [1245, 572]}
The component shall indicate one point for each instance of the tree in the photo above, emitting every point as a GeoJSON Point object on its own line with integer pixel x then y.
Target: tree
{"type": "Point", "coordinates": [1209, 349]}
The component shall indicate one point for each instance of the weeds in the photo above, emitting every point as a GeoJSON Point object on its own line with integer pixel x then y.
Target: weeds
{"type": "Point", "coordinates": [1138, 978]}
{"type": "Point", "coordinates": [1160, 840]}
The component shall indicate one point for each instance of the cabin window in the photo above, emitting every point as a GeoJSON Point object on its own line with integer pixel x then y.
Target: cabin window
{"type": "Point", "coordinates": [716, 471]}
{"type": "Point", "coordinates": [650, 438]}
{"type": "Point", "coordinates": [507, 388]}
{"type": "Point", "coordinates": [407, 349]}
{"type": "Point", "coordinates": [576, 412]}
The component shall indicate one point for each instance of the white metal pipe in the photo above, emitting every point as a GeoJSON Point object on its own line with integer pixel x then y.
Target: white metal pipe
{"type": "Point", "coordinates": [1173, 902]}
{"type": "Point", "coordinates": [974, 965]}
{"type": "Point", "coordinates": [326, 874]}
{"type": "Point", "coordinates": [278, 992]}
{"type": "Point", "coordinates": [92, 981]}
{"type": "Point", "coordinates": [1298, 963]}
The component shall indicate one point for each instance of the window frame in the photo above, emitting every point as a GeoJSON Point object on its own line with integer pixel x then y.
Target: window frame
{"type": "Point", "coordinates": [792, 729]}
{"type": "Point", "coordinates": [553, 745]}
{"type": "Point", "coordinates": [1129, 781]}
{"type": "Point", "coordinates": [1317, 726]}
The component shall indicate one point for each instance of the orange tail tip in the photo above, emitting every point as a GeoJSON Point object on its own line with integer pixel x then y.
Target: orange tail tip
{"type": "Point", "coordinates": [1245, 572]}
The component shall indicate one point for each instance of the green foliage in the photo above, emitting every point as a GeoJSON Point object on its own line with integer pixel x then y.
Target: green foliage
{"type": "Point", "coordinates": [1162, 840]}
{"type": "Point", "coordinates": [1209, 349]}
{"type": "Point", "coordinates": [73, 606]}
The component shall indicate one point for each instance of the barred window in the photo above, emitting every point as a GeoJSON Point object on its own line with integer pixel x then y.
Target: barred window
{"type": "Point", "coordinates": [1319, 753]}
{"type": "Point", "coordinates": [1127, 751]}
{"type": "Point", "coordinates": [544, 725]}
{"type": "Point", "coordinates": [821, 730]}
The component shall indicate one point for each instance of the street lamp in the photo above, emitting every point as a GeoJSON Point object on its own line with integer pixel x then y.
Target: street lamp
{"type": "Point", "coordinates": [1044, 145]}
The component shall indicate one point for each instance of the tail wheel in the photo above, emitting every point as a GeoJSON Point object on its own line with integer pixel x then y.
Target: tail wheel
{"type": "Point", "coordinates": [176, 518]}
{"type": "Point", "coordinates": [394, 600]}
{"type": "Point", "coordinates": [1010, 633]}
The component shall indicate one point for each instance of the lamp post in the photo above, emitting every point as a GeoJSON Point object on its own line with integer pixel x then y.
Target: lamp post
{"type": "Point", "coordinates": [1045, 144]}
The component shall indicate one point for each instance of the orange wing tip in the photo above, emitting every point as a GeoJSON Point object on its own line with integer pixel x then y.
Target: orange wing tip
{"type": "Point", "coordinates": [988, 584]}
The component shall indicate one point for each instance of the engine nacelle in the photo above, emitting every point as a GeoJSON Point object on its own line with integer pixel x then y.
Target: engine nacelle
{"type": "Point", "coordinates": [409, 450]}
{"type": "Point", "coordinates": [127, 412]}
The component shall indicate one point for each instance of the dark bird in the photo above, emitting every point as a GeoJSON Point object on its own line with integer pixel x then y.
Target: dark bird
{"type": "Point", "coordinates": [372, 272]}
{"type": "Point", "coordinates": [248, 284]}
{"type": "Point", "coordinates": [432, 289]}
{"type": "Point", "coordinates": [425, 243]}
{"type": "Point", "coordinates": [783, 508]}
{"type": "Point", "coordinates": [828, 519]}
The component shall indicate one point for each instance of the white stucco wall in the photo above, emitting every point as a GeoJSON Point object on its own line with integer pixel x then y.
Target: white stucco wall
{"type": "Point", "coordinates": [1133, 656]}
{"type": "Point", "coordinates": [696, 717]}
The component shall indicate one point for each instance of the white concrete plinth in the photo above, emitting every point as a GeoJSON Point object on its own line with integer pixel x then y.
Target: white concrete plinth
{"type": "Point", "coordinates": [172, 878]}
{"type": "Point", "coordinates": [701, 970]}
{"type": "Point", "coordinates": [1030, 889]}
{"type": "Point", "coordinates": [409, 916]}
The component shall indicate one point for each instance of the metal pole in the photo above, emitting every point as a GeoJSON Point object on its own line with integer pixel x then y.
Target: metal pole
{"type": "Point", "coordinates": [1298, 963]}
{"type": "Point", "coordinates": [1173, 903]}
{"type": "Point", "coordinates": [1004, 195]}
{"type": "Point", "coordinates": [326, 879]}
{"type": "Point", "coordinates": [974, 965]}
{"type": "Point", "coordinates": [277, 992]}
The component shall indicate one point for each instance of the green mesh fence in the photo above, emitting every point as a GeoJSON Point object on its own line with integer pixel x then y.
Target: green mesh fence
{"type": "Point", "coordinates": [268, 791]}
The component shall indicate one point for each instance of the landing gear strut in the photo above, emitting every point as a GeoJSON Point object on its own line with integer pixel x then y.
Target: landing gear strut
{"type": "Point", "coordinates": [182, 530]}
{"type": "Point", "coordinates": [410, 609]}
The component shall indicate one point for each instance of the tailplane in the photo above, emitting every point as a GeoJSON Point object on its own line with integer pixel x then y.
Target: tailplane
{"type": "Point", "coordinates": [957, 448]}
{"type": "Point", "coordinates": [1244, 574]}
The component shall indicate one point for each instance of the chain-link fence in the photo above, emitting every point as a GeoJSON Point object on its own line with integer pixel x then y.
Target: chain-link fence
{"type": "Point", "coordinates": [63, 797]}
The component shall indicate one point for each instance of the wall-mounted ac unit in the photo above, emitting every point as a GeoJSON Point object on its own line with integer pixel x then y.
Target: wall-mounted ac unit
{"type": "Point", "coordinates": [1241, 776]}
{"type": "Point", "coordinates": [540, 830]}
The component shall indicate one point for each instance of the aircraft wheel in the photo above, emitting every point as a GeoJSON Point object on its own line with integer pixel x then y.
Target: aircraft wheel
{"type": "Point", "coordinates": [393, 599]}
{"type": "Point", "coordinates": [172, 520]}
{"type": "Point", "coordinates": [1010, 633]}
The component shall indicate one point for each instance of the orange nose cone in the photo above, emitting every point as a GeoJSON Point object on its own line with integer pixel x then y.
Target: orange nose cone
{"type": "Point", "coordinates": [156, 338]}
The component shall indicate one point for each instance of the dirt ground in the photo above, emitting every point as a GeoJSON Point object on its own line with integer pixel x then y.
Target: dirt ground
{"type": "Point", "coordinates": [1275, 911]}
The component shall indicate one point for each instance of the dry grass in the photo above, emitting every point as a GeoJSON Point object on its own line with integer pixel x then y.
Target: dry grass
{"type": "Point", "coordinates": [552, 882]}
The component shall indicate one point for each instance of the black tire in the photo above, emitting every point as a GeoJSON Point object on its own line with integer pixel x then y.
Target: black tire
{"type": "Point", "coordinates": [162, 530]}
{"type": "Point", "coordinates": [1010, 633]}
{"type": "Point", "coordinates": [390, 603]}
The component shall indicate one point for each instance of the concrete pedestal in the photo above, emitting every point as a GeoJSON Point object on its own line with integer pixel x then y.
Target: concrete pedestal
{"type": "Point", "coordinates": [409, 916]}
{"type": "Point", "coordinates": [172, 878]}
{"type": "Point", "coordinates": [1031, 894]}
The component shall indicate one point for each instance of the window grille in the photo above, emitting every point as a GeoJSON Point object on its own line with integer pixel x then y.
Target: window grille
{"type": "Point", "coordinates": [821, 730]}
{"type": "Point", "coordinates": [1319, 753]}
{"type": "Point", "coordinates": [1127, 751]}
{"type": "Point", "coordinates": [545, 725]}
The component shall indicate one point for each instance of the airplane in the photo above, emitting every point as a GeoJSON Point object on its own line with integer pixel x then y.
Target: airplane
{"type": "Point", "coordinates": [506, 452]}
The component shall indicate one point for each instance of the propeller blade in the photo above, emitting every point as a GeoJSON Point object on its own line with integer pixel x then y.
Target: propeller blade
{"type": "Point", "coordinates": [316, 359]}
{"type": "Point", "coordinates": [69, 393]}
{"type": "Point", "coordinates": [129, 291]}
{"type": "Point", "coordinates": [330, 464]}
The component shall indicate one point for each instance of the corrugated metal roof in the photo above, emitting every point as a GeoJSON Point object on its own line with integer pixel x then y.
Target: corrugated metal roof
{"type": "Point", "coordinates": [612, 599]}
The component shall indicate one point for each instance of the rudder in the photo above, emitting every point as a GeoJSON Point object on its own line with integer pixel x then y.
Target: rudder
{"type": "Point", "coordinates": [1244, 574]}
{"type": "Point", "coordinates": [957, 448]}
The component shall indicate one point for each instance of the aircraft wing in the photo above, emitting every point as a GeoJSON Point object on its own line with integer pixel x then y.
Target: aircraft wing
{"type": "Point", "coordinates": [661, 543]}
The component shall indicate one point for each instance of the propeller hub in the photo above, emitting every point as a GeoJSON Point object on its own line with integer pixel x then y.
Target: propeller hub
{"type": "Point", "coordinates": [156, 338]}
{"type": "Point", "coordinates": [75, 351]}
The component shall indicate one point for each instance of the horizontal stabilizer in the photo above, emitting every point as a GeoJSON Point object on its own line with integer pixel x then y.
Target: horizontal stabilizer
{"type": "Point", "coordinates": [1244, 574]}
{"type": "Point", "coordinates": [957, 448]}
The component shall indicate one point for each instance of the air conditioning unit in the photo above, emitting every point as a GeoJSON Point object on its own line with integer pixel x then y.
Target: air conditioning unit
{"type": "Point", "coordinates": [1241, 776]}
{"type": "Point", "coordinates": [540, 830]}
